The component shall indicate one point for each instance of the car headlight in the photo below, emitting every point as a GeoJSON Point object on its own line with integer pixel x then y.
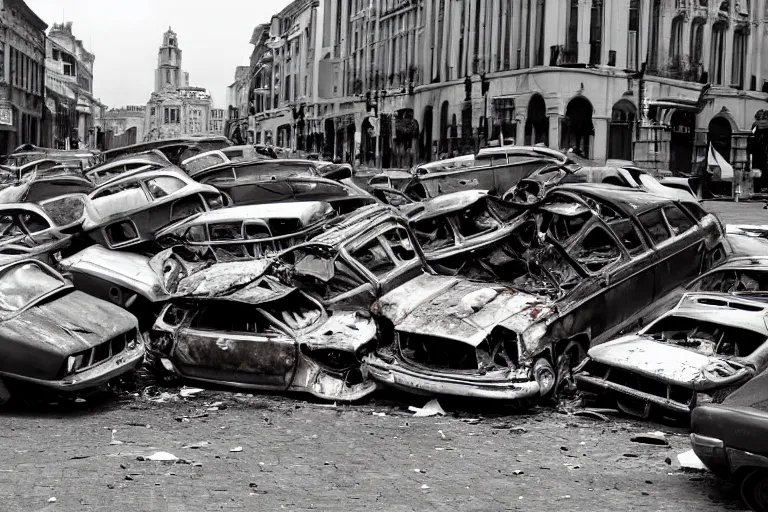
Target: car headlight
{"type": "Point", "coordinates": [74, 363]}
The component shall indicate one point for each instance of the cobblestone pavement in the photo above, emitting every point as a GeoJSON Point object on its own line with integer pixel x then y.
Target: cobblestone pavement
{"type": "Point", "coordinates": [298, 455]}
{"type": "Point", "coordinates": [305, 456]}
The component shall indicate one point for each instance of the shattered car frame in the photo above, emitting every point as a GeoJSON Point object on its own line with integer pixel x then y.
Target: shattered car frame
{"type": "Point", "coordinates": [278, 339]}
{"type": "Point", "coordinates": [708, 345]}
{"type": "Point", "coordinates": [574, 270]}
{"type": "Point", "coordinates": [26, 231]}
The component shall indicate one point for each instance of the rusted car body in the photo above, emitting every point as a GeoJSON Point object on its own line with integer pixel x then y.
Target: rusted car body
{"type": "Point", "coordinates": [214, 236]}
{"type": "Point", "coordinates": [534, 187]}
{"type": "Point", "coordinates": [26, 231]}
{"type": "Point", "coordinates": [131, 208]}
{"type": "Point", "coordinates": [632, 177]}
{"type": "Point", "coordinates": [148, 161]}
{"type": "Point", "coordinates": [458, 223]}
{"type": "Point", "coordinates": [274, 181]}
{"type": "Point", "coordinates": [43, 185]}
{"type": "Point", "coordinates": [28, 153]}
{"type": "Point", "coordinates": [261, 334]}
{"type": "Point", "coordinates": [496, 170]}
{"type": "Point", "coordinates": [704, 348]}
{"type": "Point", "coordinates": [573, 271]}
{"type": "Point", "coordinates": [58, 338]}
{"type": "Point", "coordinates": [208, 143]}
{"type": "Point", "coordinates": [248, 231]}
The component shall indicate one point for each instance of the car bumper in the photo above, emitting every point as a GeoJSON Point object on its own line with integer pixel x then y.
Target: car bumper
{"type": "Point", "coordinates": [121, 364]}
{"type": "Point", "coordinates": [587, 382]}
{"type": "Point", "coordinates": [425, 382]}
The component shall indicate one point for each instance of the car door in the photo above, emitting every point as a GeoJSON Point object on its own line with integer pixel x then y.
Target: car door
{"type": "Point", "coordinates": [679, 247]}
{"type": "Point", "coordinates": [235, 344]}
{"type": "Point", "coordinates": [388, 256]}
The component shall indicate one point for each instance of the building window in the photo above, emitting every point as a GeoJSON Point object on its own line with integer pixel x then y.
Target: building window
{"type": "Point", "coordinates": [68, 64]}
{"type": "Point", "coordinates": [539, 46]}
{"type": "Point", "coordinates": [717, 49]}
{"type": "Point", "coordinates": [739, 54]}
{"type": "Point", "coordinates": [676, 42]}
{"type": "Point", "coordinates": [572, 35]}
{"type": "Point", "coordinates": [152, 111]}
{"type": "Point", "coordinates": [56, 55]}
{"type": "Point", "coordinates": [596, 32]}
{"type": "Point", "coordinates": [167, 76]}
{"type": "Point", "coordinates": [653, 41]}
{"type": "Point", "coordinates": [697, 46]}
{"type": "Point", "coordinates": [171, 115]}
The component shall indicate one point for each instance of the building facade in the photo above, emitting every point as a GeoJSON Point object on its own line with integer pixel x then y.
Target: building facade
{"type": "Point", "coordinates": [175, 108]}
{"type": "Point", "coordinates": [240, 101]}
{"type": "Point", "coordinates": [123, 126]}
{"type": "Point", "coordinates": [216, 122]}
{"type": "Point", "coordinates": [74, 112]}
{"type": "Point", "coordinates": [22, 76]}
{"type": "Point", "coordinates": [393, 82]}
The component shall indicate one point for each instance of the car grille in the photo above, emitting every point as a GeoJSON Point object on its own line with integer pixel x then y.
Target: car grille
{"type": "Point", "coordinates": [640, 383]}
{"type": "Point", "coordinates": [105, 351]}
{"type": "Point", "coordinates": [437, 353]}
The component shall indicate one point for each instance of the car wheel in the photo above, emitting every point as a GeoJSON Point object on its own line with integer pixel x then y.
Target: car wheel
{"type": "Point", "coordinates": [5, 395]}
{"type": "Point", "coordinates": [754, 490]}
{"type": "Point", "coordinates": [567, 360]}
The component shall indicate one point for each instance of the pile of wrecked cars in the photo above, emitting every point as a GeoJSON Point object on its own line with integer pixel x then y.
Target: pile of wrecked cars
{"type": "Point", "coordinates": [236, 268]}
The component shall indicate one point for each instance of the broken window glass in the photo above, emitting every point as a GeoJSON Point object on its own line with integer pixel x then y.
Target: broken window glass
{"type": "Point", "coordinates": [654, 223]}
{"type": "Point", "coordinates": [296, 311]}
{"type": "Point", "coordinates": [231, 318]}
{"type": "Point", "coordinates": [226, 231]}
{"type": "Point", "coordinates": [733, 281]}
{"type": "Point", "coordinates": [678, 221]}
{"type": "Point", "coordinates": [186, 207]}
{"type": "Point", "coordinates": [34, 222]}
{"type": "Point", "coordinates": [476, 220]}
{"type": "Point", "coordinates": [8, 226]}
{"type": "Point", "coordinates": [120, 198]}
{"type": "Point", "coordinates": [434, 234]}
{"type": "Point", "coordinates": [196, 234]}
{"type": "Point", "coordinates": [564, 227]}
{"type": "Point", "coordinates": [708, 338]}
{"type": "Point", "coordinates": [164, 186]}
{"type": "Point", "coordinates": [627, 233]}
{"type": "Point", "coordinates": [596, 250]}
{"type": "Point", "coordinates": [558, 267]}
{"type": "Point", "coordinates": [400, 244]}
{"type": "Point", "coordinates": [121, 232]}
{"type": "Point", "coordinates": [375, 258]}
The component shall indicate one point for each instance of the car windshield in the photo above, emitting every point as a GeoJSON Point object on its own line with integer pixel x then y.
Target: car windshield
{"type": "Point", "coordinates": [650, 183]}
{"type": "Point", "coordinates": [709, 338]}
{"type": "Point", "coordinates": [23, 284]}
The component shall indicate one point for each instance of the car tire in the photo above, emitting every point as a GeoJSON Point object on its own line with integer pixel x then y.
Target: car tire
{"type": "Point", "coordinates": [754, 490]}
{"type": "Point", "coordinates": [5, 394]}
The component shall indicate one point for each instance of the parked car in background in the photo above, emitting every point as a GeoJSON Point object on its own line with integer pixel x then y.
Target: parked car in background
{"type": "Point", "coordinates": [59, 339]}
{"type": "Point", "coordinates": [574, 270]}
{"type": "Point", "coordinates": [43, 185]}
{"type": "Point", "coordinates": [28, 153]}
{"type": "Point", "coordinates": [204, 143]}
{"type": "Point", "coordinates": [631, 177]}
{"type": "Point", "coordinates": [131, 208]}
{"type": "Point", "coordinates": [700, 351]}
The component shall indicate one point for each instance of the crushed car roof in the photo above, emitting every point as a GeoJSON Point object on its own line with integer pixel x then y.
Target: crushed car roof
{"type": "Point", "coordinates": [303, 210]}
{"type": "Point", "coordinates": [353, 224]}
{"type": "Point", "coordinates": [447, 203]}
{"type": "Point", "coordinates": [629, 201]}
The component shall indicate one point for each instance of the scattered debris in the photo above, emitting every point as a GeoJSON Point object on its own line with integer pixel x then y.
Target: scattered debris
{"type": "Point", "coordinates": [186, 392]}
{"type": "Point", "coordinates": [51, 500]}
{"type": "Point", "coordinates": [431, 409]}
{"type": "Point", "coordinates": [195, 446]}
{"type": "Point", "coordinates": [425, 486]}
{"type": "Point", "coordinates": [162, 457]}
{"type": "Point", "coordinates": [690, 462]}
{"type": "Point", "coordinates": [654, 438]}
{"type": "Point", "coordinates": [236, 449]}
{"type": "Point", "coordinates": [417, 470]}
{"type": "Point", "coordinates": [591, 413]}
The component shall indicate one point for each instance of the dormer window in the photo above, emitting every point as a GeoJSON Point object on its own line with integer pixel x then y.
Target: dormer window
{"type": "Point", "coordinates": [68, 64]}
{"type": "Point", "coordinates": [172, 41]}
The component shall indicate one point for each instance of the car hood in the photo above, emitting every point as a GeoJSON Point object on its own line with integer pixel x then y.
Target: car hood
{"type": "Point", "coordinates": [459, 309]}
{"type": "Point", "coordinates": [13, 193]}
{"type": "Point", "coordinates": [346, 330]}
{"type": "Point", "coordinates": [659, 361]}
{"type": "Point", "coordinates": [239, 281]}
{"type": "Point", "coordinates": [69, 324]}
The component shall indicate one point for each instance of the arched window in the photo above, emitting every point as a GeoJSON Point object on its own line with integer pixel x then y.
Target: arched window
{"type": "Point", "coordinates": [739, 57]}
{"type": "Point", "coordinates": [676, 42]}
{"type": "Point", "coordinates": [653, 41]}
{"type": "Point", "coordinates": [632, 38]}
{"type": "Point", "coordinates": [596, 32]}
{"type": "Point", "coordinates": [717, 46]}
{"type": "Point", "coordinates": [623, 117]}
{"type": "Point", "coordinates": [697, 46]}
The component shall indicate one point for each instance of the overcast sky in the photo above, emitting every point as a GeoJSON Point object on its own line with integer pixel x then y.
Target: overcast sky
{"type": "Point", "coordinates": [125, 37]}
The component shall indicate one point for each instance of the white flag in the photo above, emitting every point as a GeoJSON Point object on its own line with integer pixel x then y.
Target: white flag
{"type": "Point", "coordinates": [715, 159]}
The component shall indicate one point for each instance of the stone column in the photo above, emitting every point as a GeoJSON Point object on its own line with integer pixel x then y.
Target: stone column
{"type": "Point", "coordinates": [585, 8]}
{"type": "Point", "coordinates": [706, 54]}
{"type": "Point", "coordinates": [554, 130]}
{"type": "Point", "coordinates": [599, 142]}
{"type": "Point", "coordinates": [524, 35]}
{"type": "Point", "coordinates": [728, 57]}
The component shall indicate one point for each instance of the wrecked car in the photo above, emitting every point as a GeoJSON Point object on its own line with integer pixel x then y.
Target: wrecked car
{"type": "Point", "coordinates": [534, 187]}
{"type": "Point", "coordinates": [28, 153]}
{"type": "Point", "coordinates": [59, 339]}
{"type": "Point", "coordinates": [574, 270]}
{"type": "Point", "coordinates": [729, 438]}
{"type": "Point", "coordinates": [697, 353]}
{"type": "Point", "coordinates": [632, 177]}
{"type": "Point", "coordinates": [26, 231]}
{"type": "Point", "coordinates": [45, 184]}
{"type": "Point", "coordinates": [206, 143]}
{"type": "Point", "coordinates": [274, 181]}
{"type": "Point", "coordinates": [248, 231]}
{"type": "Point", "coordinates": [268, 336]}
{"type": "Point", "coordinates": [131, 208]}
{"type": "Point", "coordinates": [356, 259]}
{"type": "Point", "coordinates": [458, 223]}
{"type": "Point", "coordinates": [149, 161]}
